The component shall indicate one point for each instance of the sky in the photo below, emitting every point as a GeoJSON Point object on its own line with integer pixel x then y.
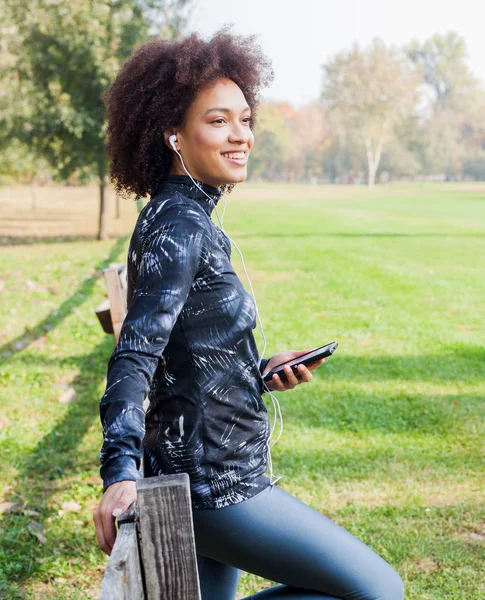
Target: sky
{"type": "Point", "coordinates": [300, 36]}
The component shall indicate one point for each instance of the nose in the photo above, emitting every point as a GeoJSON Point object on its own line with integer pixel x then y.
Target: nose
{"type": "Point", "coordinates": [240, 133]}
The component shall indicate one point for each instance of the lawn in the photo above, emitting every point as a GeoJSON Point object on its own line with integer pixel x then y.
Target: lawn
{"type": "Point", "coordinates": [388, 438]}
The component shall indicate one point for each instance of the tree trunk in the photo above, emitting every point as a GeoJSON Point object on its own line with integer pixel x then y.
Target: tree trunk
{"type": "Point", "coordinates": [118, 210]}
{"type": "Point", "coordinates": [371, 176]}
{"type": "Point", "coordinates": [33, 197]}
{"type": "Point", "coordinates": [373, 159]}
{"type": "Point", "coordinates": [103, 230]}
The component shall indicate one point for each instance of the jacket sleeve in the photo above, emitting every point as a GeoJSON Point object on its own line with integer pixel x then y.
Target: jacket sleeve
{"type": "Point", "coordinates": [172, 257]}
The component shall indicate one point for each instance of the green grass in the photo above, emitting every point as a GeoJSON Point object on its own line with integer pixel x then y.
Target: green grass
{"type": "Point", "coordinates": [387, 440]}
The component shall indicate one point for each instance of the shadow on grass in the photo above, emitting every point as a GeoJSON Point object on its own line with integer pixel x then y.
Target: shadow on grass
{"type": "Point", "coordinates": [40, 477]}
{"type": "Point", "coordinates": [457, 362]}
{"type": "Point", "coordinates": [41, 472]}
{"type": "Point", "coordinates": [12, 240]}
{"type": "Point", "coordinates": [429, 459]}
{"type": "Point", "coordinates": [65, 309]}
{"type": "Point", "coordinates": [289, 235]}
{"type": "Point", "coordinates": [398, 407]}
{"type": "Point", "coordinates": [449, 415]}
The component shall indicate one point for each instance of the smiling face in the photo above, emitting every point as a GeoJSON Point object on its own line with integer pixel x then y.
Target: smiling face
{"type": "Point", "coordinates": [216, 138]}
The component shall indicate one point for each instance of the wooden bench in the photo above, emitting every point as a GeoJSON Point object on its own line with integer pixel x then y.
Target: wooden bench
{"type": "Point", "coordinates": [154, 556]}
{"type": "Point", "coordinates": [112, 311]}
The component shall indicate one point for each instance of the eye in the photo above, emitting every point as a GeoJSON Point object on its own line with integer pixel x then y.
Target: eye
{"type": "Point", "coordinates": [218, 121]}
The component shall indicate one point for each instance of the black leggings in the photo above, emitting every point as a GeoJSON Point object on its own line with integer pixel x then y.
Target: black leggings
{"type": "Point", "coordinates": [278, 537]}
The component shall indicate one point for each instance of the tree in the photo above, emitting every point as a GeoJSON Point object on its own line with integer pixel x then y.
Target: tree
{"type": "Point", "coordinates": [473, 135]}
{"type": "Point", "coordinates": [67, 55]}
{"type": "Point", "coordinates": [441, 61]}
{"type": "Point", "coordinates": [454, 119]}
{"type": "Point", "coordinates": [272, 143]}
{"type": "Point", "coordinates": [368, 92]}
{"type": "Point", "coordinates": [309, 130]}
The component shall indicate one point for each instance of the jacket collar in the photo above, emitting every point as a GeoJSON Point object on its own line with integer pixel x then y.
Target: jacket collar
{"type": "Point", "coordinates": [185, 185]}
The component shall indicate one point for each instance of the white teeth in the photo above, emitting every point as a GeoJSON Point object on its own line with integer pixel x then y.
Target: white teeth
{"type": "Point", "coordinates": [235, 155]}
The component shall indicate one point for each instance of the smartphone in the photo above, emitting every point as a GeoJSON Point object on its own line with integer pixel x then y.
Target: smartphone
{"type": "Point", "coordinates": [303, 359]}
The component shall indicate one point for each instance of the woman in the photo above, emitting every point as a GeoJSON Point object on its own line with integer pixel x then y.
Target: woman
{"type": "Point", "coordinates": [180, 119]}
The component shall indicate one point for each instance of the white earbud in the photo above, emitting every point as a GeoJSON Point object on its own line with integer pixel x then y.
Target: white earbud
{"type": "Point", "coordinates": [171, 140]}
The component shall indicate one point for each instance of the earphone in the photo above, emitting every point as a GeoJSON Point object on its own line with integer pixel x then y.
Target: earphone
{"type": "Point", "coordinates": [276, 405]}
{"type": "Point", "coordinates": [172, 139]}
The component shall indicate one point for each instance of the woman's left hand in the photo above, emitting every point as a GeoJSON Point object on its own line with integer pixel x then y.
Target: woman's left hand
{"type": "Point", "coordinates": [303, 372]}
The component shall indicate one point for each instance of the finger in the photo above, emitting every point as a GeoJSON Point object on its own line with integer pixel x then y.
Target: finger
{"type": "Point", "coordinates": [102, 543]}
{"type": "Point", "coordinates": [126, 499]}
{"type": "Point", "coordinates": [315, 364]}
{"type": "Point", "coordinates": [118, 509]}
{"type": "Point", "coordinates": [280, 387]}
{"type": "Point", "coordinates": [304, 374]}
{"type": "Point", "coordinates": [291, 377]}
{"type": "Point", "coordinates": [109, 530]}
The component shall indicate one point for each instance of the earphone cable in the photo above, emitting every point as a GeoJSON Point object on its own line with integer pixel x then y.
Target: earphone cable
{"type": "Point", "coordinates": [276, 404]}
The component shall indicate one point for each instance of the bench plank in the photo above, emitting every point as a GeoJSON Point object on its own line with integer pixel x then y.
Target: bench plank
{"type": "Point", "coordinates": [117, 299]}
{"type": "Point", "coordinates": [167, 534]}
{"type": "Point", "coordinates": [123, 578]}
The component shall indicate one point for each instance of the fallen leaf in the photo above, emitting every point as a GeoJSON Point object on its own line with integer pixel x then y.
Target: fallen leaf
{"type": "Point", "coordinates": [36, 530]}
{"type": "Point", "coordinates": [68, 396]}
{"type": "Point", "coordinates": [71, 506]}
{"type": "Point", "coordinates": [10, 507]}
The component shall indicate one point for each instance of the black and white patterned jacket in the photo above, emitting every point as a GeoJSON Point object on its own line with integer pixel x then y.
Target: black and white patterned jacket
{"type": "Point", "coordinates": [187, 341]}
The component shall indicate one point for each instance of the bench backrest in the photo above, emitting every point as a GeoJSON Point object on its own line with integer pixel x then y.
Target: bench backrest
{"type": "Point", "coordinates": [115, 278]}
{"type": "Point", "coordinates": [154, 556]}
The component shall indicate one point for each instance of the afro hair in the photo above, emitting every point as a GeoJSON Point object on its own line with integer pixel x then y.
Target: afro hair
{"type": "Point", "coordinates": [155, 87]}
